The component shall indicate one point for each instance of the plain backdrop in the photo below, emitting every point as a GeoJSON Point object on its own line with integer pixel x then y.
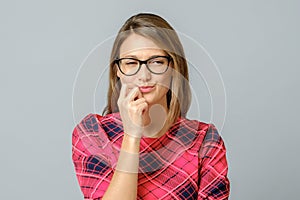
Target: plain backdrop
{"type": "Point", "coordinates": [255, 45]}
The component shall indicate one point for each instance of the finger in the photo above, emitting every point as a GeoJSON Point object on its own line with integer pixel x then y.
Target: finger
{"type": "Point", "coordinates": [123, 90]}
{"type": "Point", "coordinates": [130, 86]}
{"type": "Point", "coordinates": [134, 94]}
{"type": "Point", "coordinates": [140, 94]}
{"type": "Point", "coordinates": [138, 101]}
{"type": "Point", "coordinates": [143, 107]}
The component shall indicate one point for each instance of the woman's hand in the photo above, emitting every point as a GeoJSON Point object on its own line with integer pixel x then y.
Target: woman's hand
{"type": "Point", "coordinates": [132, 107]}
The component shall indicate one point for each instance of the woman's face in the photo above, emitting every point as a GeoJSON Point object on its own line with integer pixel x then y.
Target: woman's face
{"type": "Point", "coordinates": [153, 87]}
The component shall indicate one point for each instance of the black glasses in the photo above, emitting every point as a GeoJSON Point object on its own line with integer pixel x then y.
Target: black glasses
{"type": "Point", "coordinates": [131, 66]}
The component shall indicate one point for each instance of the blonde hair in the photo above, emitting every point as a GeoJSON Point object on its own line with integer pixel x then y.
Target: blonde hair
{"type": "Point", "coordinates": [161, 33]}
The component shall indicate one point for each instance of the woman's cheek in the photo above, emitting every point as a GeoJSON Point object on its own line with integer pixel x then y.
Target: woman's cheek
{"type": "Point", "coordinates": [165, 82]}
{"type": "Point", "coordinates": [127, 80]}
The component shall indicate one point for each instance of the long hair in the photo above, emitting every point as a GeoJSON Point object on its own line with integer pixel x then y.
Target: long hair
{"type": "Point", "coordinates": [158, 30]}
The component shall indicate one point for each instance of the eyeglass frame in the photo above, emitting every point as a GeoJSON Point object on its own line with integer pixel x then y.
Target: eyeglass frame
{"type": "Point", "coordinates": [141, 62]}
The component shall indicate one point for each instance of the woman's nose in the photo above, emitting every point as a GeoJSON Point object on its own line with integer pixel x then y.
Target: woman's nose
{"type": "Point", "coordinates": [144, 74]}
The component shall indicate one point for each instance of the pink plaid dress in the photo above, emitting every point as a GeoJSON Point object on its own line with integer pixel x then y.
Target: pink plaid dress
{"type": "Point", "coordinates": [187, 162]}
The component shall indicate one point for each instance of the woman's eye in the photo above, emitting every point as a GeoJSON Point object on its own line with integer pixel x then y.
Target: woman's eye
{"type": "Point", "coordinates": [157, 62]}
{"type": "Point", "coordinates": [131, 63]}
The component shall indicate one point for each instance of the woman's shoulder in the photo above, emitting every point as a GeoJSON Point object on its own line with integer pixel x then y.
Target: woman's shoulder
{"type": "Point", "coordinates": [195, 133]}
{"type": "Point", "coordinates": [189, 132]}
{"type": "Point", "coordinates": [92, 122]}
{"type": "Point", "coordinates": [94, 134]}
{"type": "Point", "coordinates": [193, 125]}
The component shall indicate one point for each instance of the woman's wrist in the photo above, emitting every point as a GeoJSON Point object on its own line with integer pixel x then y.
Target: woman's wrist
{"type": "Point", "coordinates": [136, 133]}
{"type": "Point", "coordinates": [130, 144]}
{"type": "Point", "coordinates": [128, 162]}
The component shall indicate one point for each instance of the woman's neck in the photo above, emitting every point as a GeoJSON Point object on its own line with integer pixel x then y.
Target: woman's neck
{"type": "Point", "coordinates": [155, 121]}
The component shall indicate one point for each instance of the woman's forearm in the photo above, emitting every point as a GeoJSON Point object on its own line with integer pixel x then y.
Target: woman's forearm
{"type": "Point", "coordinates": [124, 182]}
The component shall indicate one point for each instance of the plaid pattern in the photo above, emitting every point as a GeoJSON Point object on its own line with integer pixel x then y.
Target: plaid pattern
{"type": "Point", "coordinates": [188, 162]}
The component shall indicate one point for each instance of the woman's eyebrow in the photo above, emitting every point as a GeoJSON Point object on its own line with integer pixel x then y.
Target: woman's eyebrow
{"type": "Point", "coordinates": [135, 57]}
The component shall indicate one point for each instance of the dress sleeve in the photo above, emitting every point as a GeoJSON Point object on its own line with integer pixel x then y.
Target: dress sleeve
{"type": "Point", "coordinates": [92, 166]}
{"type": "Point", "coordinates": [213, 168]}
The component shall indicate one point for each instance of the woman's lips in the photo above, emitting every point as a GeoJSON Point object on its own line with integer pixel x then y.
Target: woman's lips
{"type": "Point", "coordinates": [145, 89]}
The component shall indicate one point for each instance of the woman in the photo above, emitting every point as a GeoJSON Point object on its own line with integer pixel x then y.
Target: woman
{"type": "Point", "coordinates": [143, 147]}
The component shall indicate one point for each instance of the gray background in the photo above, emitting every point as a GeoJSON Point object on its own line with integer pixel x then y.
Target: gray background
{"type": "Point", "coordinates": [254, 43]}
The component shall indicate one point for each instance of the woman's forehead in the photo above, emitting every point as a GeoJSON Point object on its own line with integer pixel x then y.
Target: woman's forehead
{"type": "Point", "coordinates": [139, 46]}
